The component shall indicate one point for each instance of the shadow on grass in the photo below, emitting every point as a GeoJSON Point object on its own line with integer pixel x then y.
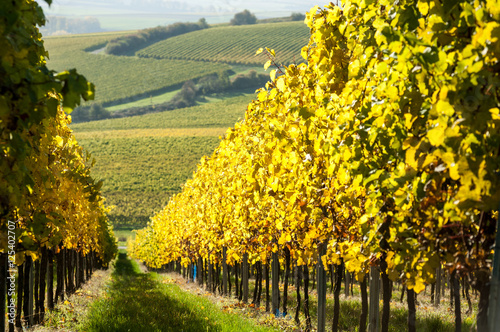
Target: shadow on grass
{"type": "Point", "coordinates": [350, 310]}
{"type": "Point", "coordinates": [136, 302]}
{"type": "Point", "coordinates": [428, 318]}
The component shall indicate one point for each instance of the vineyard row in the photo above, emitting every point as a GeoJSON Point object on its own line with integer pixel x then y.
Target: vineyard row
{"type": "Point", "coordinates": [380, 152]}
{"type": "Point", "coordinates": [49, 201]}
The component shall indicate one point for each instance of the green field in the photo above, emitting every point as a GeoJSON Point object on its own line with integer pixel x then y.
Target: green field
{"type": "Point", "coordinates": [234, 44]}
{"type": "Point", "coordinates": [151, 100]}
{"type": "Point", "coordinates": [143, 160]}
{"type": "Point", "coordinates": [167, 96]}
{"type": "Point", "coordinates": [120, 79]}
{"type": "Point", "coordinates": [224, 113]}
{"type": "Point", "coordinates": [158, 70]}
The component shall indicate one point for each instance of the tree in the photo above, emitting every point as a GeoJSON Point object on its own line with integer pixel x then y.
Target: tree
{"type": "Point", "coordinates": [298, 17]}
{"type": "Point", "coordinates": [245, 17]}
{"type": "Point", "coordinates": [202, 22]}
{"type": "Point", "coordinates": [97, 112]}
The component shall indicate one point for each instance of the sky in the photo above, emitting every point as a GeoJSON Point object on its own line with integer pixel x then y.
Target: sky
{"type": "Point", "coordinates": [137, 14]}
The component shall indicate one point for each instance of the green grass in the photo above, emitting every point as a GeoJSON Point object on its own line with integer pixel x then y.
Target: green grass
{"type": "Point", "coordinates": [234, 44]}
{"type": "Point", "coordinates": [120, 79]}
{"type": "Point", "coordinates": [146, 302]}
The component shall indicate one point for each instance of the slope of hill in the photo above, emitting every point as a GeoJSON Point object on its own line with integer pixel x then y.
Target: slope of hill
{"type": "Point", "coordinates": [166, 65]}
{"type": "Point", "coordinates": [234, 44]}
{"type": "Point", "coordinates": [118, 78]}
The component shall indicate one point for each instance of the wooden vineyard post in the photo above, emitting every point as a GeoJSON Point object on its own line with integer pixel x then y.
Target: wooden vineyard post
{"type": "Point", "coordinates": [287, 276]}
{"type": "Point", "coordinates": [42, 285]}
{"type": "Point", "coordinates": [386, 295]}
{"type": "Point", "coordinates": [364, 305]}
{"type": "Point", "coordinates": [266, 277]}
{"type": "Point", "coordinates": [305, 274]}
{"type": "Point", "coordinates": [92, 262]}
{"type": "Point", "coordinates": [298, 277]}
{"type": "Point", "coordinates": [229, 283]}
{"type": "Point", "coordinates": [209, 276]}
{"type": "Point", "coordinates": [77, 271]}
{"type": "Point", "coordinates": [50, 279]}
{"type": "Point", "coordinates": [339, 269]}
{"type": "Point", "coordinates": [321, 289]}
{"type": "Point", "coordinates": [82, 268]}
{"type": "Point", "coordinates": [224, 271]}
{"type": "Point", "coordinates": [437, 291]}
{"type": "Point", "coordinates": [259, 283]}
{"type": "Point", "coordinates": [236, 283]}
{"type": "Point", "coordinates": [60, 276]}
{"type": "Point", "coordinates": [411, 310]}
{"type": "Point", "coordinates": [244, 277]}
{"type": "Point", "coordinates": [28, 291]}
{"type": "Point", "coordinates": [455, 283]}
{"type": "Point", "coordinates": [64, 265]}
{"type": "Point", "coordinates": [373, 316]}
{"type": "Point", "coordinates": [87, 267]}
{"type": "Point", "coordinates": [36, 278]}
{"type": "Point", "coordinates": [20, 289]}
{"type": "Point", "coordinates": [275, 283]}
{"type": "Point", "coordinates": [31, 279]}
{"type": "Point", "coordinates": [215, 277]}
{"type": "Point", "coordinates": [70, 281]}
{"type": "Point", "coordinates": [347, 283]}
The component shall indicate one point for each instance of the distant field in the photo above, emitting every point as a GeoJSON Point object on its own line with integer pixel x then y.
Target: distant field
{"type": "Point", "coordinates": [224, 113]}
{"type": "Point", "coordinates": [163, 67]}
{"type": "Point", "coordinates": [143, 160]}
{"type": "Point", "coordinates": [149, 132]}
{"type": "Point", "coordinates": [140, 173]}
{"type": "Point", "coordinates": [151, 100]}
{"type": "Point", "coordinates": [234, 44]}
{"type": "Point", "coordinates": [167, 96]}
{"type": "Point", "coordinates": [120, 78]}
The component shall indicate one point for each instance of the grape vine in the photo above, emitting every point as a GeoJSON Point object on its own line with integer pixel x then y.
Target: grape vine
{"type": "Point", "coordinates": [46, 186]}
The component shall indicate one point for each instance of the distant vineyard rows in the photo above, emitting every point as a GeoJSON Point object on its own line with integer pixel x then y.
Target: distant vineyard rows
{"type": "Point", "coordinates": [235, 44]}
{"type": "Point", "coordinates": [116, 77]}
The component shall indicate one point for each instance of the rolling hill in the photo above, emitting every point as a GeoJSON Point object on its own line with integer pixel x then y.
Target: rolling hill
{"type": "Point", "coordinates": [119, 79]}
{"type": "Point", "coordinates": [234, 44]}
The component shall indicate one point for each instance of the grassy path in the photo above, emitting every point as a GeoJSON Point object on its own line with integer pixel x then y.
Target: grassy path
{"type": "Point", "coordinates": [136, 301]}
